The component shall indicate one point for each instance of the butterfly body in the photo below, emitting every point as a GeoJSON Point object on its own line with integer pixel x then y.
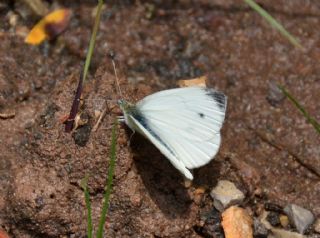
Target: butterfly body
{"type": "Point", "coordinates": [183, 123]}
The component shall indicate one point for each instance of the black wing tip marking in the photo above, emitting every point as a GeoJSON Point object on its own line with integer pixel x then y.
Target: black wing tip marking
{"type": "Point", "coordinates": [217, 97]}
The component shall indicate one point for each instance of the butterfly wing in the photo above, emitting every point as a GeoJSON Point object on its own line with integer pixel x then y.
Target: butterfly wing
{"type": "Point", "coordinates": [184, 124]}
{"type": "Point", "coordinates": [142, 126]}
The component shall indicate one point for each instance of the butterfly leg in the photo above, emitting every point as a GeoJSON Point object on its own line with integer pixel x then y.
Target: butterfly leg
{"type": "Point", "coordinates": [129, 142]}
{"type": "Point", "coordinates": [121, 119]}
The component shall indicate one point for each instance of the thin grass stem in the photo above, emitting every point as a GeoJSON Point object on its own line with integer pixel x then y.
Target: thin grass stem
{"type": "Point", "coordinates": [273, 22]}
{"type": "Point", "coordinates": [84, 185]}
{"type": "Point", "coordinates": [108, 188]}
{"type": "Point", "coordinates": [309, 118]}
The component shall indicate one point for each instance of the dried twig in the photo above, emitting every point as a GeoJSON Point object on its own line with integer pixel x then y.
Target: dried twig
{"type": "Point", "coordinates": [7, 115]}
{"type": "Point", "coordinates": [103, 113]}
{"type": "Point", "coordinates": [75, 106]}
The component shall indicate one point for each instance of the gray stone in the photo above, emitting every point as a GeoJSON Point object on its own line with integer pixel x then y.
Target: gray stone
{"type": "Point", "coordinates": [299, 217]}
{"type": "Point", "coordinates": [280, 233]}
{"type": "Point", "coordinates": [226, 194]}
{"type": "Point", "coordinates": [259, 229]}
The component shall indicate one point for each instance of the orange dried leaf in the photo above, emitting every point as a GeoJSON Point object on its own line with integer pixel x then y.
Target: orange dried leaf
{"type": "Point", "coordinates": [237, 223]}
{"type": "Point", "coordinates": [49, 27]}
{"type": "Point", "coordinates": [201, 81]}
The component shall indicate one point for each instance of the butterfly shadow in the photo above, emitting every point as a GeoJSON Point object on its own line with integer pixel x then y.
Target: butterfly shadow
{"type": "Point", "coordinates": [163, 182]}
{"type": "Point", "coordinates": [208, 175]}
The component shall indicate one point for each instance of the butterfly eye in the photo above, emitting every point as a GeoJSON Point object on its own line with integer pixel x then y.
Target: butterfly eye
{"type": "Point", "coordinates": [120, 102]}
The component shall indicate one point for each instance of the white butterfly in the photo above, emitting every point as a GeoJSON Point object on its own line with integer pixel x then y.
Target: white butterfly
{"type": "Point", "coordinates": [183, 123]}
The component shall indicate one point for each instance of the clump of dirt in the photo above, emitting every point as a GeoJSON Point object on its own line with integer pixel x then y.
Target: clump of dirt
{"type": "Point", "coordinates": [266, 141]}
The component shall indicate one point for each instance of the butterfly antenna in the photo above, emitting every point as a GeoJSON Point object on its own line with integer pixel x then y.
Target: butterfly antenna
{"type": "Point", "coordinates": [112, 56]}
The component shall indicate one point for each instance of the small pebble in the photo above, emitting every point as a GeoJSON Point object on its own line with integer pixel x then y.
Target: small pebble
{"type": "Point", "coordinates": [200, 190]}
{"type": "Point", "coordinates": [276, 232]}
{"type": "Point", "coordinates": [263, 219]}
{"type": "Point", "coordinates": [260, 230]}
{"type": "Point", "coordinates": [81, 136]}
{"type": "Point", "coordinates": [135, 80]}
{"type": "Point", "coordinates": [13, 18]}
{"type": "Point", "coordinates": [280, 233]}
{"type": "Point", "coordinates": [198, 194]}
{"type": "Point", "coordinates": [211, 224]}
{"type": "Point", "coordinates": [226, 194]}
{"type": "Point", "coordinates": [299, 217]}
{"type": "Point", "coordinates": [275, 95]}
{"type": "Point", "coordinates": [273, 218]}
{"type": "Point", "coordinates": [284, 220]}
{"type": "Point", "coordinates": [273, 207]}
{"type": "Point", "coordinates": [187, 183]}
{"type": "Point", "coordinates": [237, 223]}
{"type": "Point", "coordinates": [317, 226]}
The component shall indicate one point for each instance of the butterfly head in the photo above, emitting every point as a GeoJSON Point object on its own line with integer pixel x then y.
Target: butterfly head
{"type": "Point", "coordinates": [127, 109]}
{"type": "Point", "coordinates": [124, 105]}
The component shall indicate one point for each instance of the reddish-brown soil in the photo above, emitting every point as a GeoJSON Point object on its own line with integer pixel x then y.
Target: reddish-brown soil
{"type": "Point", "coordinates": [269, 150]}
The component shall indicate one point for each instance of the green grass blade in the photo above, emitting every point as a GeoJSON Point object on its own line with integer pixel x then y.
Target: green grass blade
{"type": "Point", "coordinates": [310, 119]}
{"type": "Point", "coordinates": [84, 185]}
{"type": "Point", "coordinates": [92, 41]}
{"type": "Point", "coordinates": [273, 22]}
{"type": "Point", "coordinates": [108, 189]}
